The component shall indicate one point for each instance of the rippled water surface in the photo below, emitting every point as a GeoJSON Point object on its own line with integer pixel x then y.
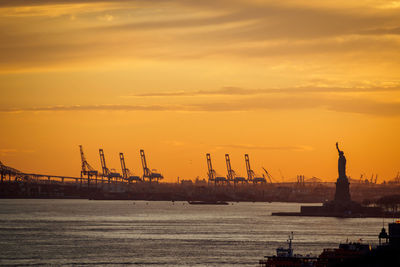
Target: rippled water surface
{"type": "Point", "coordinates": [83, 232]}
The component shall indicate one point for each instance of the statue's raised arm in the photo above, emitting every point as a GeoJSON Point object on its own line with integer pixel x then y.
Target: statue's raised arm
{"type": "Point", "coordinates": [337, 147]}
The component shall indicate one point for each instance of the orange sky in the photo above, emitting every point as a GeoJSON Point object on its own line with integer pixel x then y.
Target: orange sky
{"type": "Point", "coordinates": [280, 81]}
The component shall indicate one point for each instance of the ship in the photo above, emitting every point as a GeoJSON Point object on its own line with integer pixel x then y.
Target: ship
{"type": "Point", "coordinates": [355, 254]}
{"type": "Point", "coordinates": [286, 257]}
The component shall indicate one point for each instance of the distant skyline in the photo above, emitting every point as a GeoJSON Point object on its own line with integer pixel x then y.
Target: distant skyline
{"type": "Point", "coordinates": [281, 81]}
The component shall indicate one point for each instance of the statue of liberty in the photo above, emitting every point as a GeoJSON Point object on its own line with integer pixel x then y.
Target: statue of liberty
{"type": "Point", "coordinates": [341, 163]}
{"type": "Point", "coordinates": [342, 193]}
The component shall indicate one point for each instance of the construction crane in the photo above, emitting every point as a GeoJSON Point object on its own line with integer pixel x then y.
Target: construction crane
{"type": "Point", "coordinates": [147, 173]}
{"type": "Point", "coordinates": [251, 176]}
{"type": "Point", "coordinates": [87, 169]}
{"type": "Point", "coordinates": [268, 175]}
{"type": "Point", "coordinates": [212, 175]}
{"type": "Point", "coordinates": [126, 174]}
{"type": "Point", "coordinates": [231, 173]}
{"type": "Point", "coordinates": [106, 172]}
{"type": "Point", "coordinates": [211, 172]}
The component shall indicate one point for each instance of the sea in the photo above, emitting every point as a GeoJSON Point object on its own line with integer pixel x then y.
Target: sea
{"type": "Point", "coordinates": [65, 232]}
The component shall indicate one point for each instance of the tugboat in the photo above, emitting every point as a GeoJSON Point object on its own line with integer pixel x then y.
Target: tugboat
{"type": "Point", "coordinates": [285, 257]}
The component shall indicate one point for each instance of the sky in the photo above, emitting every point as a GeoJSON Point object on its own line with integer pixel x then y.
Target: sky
{"type": "Point", "coordinates": [280, 80]}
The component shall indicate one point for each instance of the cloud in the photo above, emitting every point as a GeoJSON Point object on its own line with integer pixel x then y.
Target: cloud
{"type": "Point", "coordinates": [7, 151]}
{"type": "Point", "coordinates": [348, 104]}
{"type": "Point", "coordinates": [258, 147]}
{"type": "Point", "coordinates": [190, 29]}
{"type": "Point", "coordinates": [237, 91]}
{"type": "Point", "coordinates": [27, 3]}
{"type": "Point", "coordinates": [111, 107]}
{"type": "Point", "coordinates": [270, 20]}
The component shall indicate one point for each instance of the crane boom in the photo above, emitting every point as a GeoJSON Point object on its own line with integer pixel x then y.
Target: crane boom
{"type": "Point", "coordinates": [250, 172]}
{"type": "Point", "coordinates": [106, 171]}
{"type": "Point", "coordinates": [211, 171]}
{"type": "Point", "coordinates": [86, 168]}
{"type": "Point", "coordinates": [231, 173]}
{"type": "Point", "coordinates": [147, 173]}
{"type": "Point", "coordinates": [125, 171]}
{"type": "Point", "coordinates": [268, 175]}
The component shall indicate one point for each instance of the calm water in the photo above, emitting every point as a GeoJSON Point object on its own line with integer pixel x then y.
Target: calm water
{"type": "Point", "coordinates": [83, 232]}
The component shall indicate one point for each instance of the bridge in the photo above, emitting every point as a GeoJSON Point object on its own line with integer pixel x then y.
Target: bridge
{"type": "Point", "coordinates": [9, 174]}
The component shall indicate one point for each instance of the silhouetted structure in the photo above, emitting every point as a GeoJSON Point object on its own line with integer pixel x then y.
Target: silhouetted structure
{"type": "Point", "coordinates": [342, 205]}
{"type": "Point", "coordinates": [342, 194]}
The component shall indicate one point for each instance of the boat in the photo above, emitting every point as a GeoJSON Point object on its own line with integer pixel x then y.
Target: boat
{"type": "Point", "coordinates": [345, 252]}
{"type": "Point", "coordinates": [355, 254]}
{"type": "Point", "coordinates": [286, 257]}
{"type": "Point", "coordinates": [208, 203]}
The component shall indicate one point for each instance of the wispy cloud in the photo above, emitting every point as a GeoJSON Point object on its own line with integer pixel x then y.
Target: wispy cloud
{"type": "Point", "coordinates": [257, 103]}
{"type": "Point", "coordinates": [191, 29]}
{"type": "Point", "coordinates": [7, 151]}
{"type": "Point", "coordinates": [11, 151]}
{"type": "Point", "coordinates": [294, 90]}
{"type": "Point", "coordinates": [263, 147]}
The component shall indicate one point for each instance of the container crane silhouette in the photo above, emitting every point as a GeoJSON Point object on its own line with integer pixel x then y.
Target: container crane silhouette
{"type": "Point", "coordinates": [212, 174]}
{"type": "Point", "coordinates": [87, 169]}
{"type": "Point", "coordinates": [147, 173]}
{"type": "Point", "coordinates": [251, 176]}
{"type": "Point", "coordinates": [231, 173]}
{"type": "Point", "coordinates": [126, 174]}
{"type": "Point", "coordinates": [106, 172]}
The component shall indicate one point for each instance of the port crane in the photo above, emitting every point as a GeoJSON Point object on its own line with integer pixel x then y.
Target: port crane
{"type": "Point", "coordinates": [126, 174]}
{"type": "Point", "coordinates": [107, 172]}
{"type": "Point", "coordinates": [147, 173]}
{"type": "Point", "coordinates": [251, 176]}
{"type": "Point", "coordinates": [268, 175]}
{"type": "Point", "coordinates": [212, 174]}
{"type": "Point", "coordinates": [231, 173]}
{"type": "Point", "coordinates": [87, 169]}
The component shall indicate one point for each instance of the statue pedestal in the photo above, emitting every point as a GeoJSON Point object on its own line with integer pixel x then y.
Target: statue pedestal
{"type": "Point", "coordinates": [342, 194]}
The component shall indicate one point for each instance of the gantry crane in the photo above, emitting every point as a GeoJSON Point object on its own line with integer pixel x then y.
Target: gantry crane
{"type": "Point", "coordinates": [231, 173]}
{"type": "Point", "coordinates": [211, 172]}
{"type": "Point", "coordinates": [86, 168]}
{"type": "Point", "coordinates": [212, 175]}
{"type": "Point", "coordinates": [268, 175]}
{"type": "Point", "coordinates": [251, 176]}
{"type": "Point", "coordinates": [126, 174]}
{"type": "Point", "coordinates": [106, 172]}
{"type": "Point", "coordinates": [147, 173]}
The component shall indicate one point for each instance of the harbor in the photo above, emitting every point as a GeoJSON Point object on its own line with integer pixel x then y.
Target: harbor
{"type": "Point", "coordinates": [79, 231]}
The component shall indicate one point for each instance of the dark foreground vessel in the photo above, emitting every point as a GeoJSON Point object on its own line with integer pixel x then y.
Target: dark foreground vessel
{"type": "Point", "coordinates": [285, 257]}
{"type": "Point", "coordinates": [387, 253]}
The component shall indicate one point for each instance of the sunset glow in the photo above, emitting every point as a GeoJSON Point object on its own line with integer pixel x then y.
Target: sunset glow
{"type": "Point", "coordinates": [282, 82]}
